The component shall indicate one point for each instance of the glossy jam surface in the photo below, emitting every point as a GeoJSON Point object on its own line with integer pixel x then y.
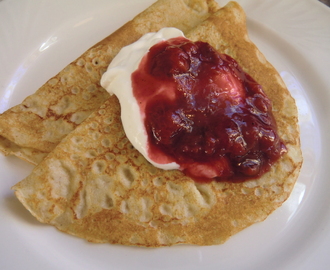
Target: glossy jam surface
{"type": "Point", "coordinates": [203, 112]}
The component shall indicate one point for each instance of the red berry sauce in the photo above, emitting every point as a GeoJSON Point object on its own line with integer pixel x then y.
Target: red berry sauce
{"type": "Point", "coordinates": [202, 111]}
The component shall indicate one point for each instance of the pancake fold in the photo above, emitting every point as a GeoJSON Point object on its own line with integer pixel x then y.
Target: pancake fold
{"type": "Point", "coordinates": [96, 186]}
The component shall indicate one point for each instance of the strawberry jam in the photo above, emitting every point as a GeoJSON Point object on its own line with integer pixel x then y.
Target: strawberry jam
{"type": "Point", "coordinates": [202, 111]}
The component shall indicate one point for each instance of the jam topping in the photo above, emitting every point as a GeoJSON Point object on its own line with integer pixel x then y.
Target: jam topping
{"type": "Point", "coordinates": [202, 111]}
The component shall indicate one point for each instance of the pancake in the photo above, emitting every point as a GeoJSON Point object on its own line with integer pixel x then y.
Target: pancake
{"type": "Point", "coordinates": [96, 186]}
{"type": "Point", "coordinates": [33, 128]}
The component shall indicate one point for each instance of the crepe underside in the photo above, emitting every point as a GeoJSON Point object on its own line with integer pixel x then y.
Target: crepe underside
{"type": "Point", "coordinates": [95, 185]}
{"type": "Point", "coordinates": [33, 128]}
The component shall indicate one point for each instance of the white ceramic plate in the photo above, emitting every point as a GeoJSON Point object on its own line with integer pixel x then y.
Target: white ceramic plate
{"type": "Point", "coordinates": [39, 37]}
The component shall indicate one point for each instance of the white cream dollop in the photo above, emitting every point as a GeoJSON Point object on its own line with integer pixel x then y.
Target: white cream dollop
{"type": "Point", "coordinates": [117, 80]}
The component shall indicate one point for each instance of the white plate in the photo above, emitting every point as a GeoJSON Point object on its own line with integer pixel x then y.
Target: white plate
{"type": "Point", "coordinates": [39, 37]}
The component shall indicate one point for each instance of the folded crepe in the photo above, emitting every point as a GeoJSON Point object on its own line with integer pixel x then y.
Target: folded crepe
{"type": "Point", "coordinates": [96, 186]}
{"type": "Point", "coordinates": [33, 128]}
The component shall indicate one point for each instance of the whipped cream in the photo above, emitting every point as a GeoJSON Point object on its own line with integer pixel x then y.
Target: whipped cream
{"type": "Point", "coordinates": [117, 80]}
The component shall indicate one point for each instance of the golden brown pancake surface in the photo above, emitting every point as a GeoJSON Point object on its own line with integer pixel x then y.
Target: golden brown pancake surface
{"type": "Point", "coordinates": [95, 185]}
